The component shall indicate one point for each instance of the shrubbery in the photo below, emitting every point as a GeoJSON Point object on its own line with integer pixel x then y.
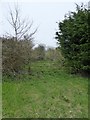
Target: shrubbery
{"type": "Point", "coordinates": [15, 55]}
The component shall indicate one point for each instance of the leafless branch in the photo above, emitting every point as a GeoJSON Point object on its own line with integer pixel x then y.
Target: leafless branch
{"type": "Point", "coordinates": [21, 27]}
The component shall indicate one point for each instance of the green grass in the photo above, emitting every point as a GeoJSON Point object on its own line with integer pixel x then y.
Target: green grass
{"type": "Point", "coordinates": [48, 93]}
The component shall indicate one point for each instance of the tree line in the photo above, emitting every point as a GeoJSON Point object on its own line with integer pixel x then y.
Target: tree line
{"type": "Point", "coordinates": [72, 36]}
{"type": "Point", "coordinates": [16, 55]}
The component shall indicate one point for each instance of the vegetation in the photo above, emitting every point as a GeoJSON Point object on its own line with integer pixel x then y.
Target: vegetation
{"type": "Point", "coordinates": [17, 47]}
{"type": "Point", "coordinates": [39, 53]}
{"type": "Point", "coordinates": [74, 40]}
{"type": "Point", "coordinates": [35, 83]}
{"type": "Point", "coordinates": [54, 55]}
{"type": "Point", "coordinates": [48, 93]}
{"type": "Point", "coordinates": [15, 55]}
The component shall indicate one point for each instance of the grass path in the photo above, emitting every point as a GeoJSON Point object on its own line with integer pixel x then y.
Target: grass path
{"type": "Point", "coordinates": [48, 93]}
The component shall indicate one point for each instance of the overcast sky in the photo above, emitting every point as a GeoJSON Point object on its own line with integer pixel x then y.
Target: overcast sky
{"type": "Point", "coordinates": [44, 14]}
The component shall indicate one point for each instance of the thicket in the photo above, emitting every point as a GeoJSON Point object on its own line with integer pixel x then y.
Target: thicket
{"type": "Point", "coordinates": [74, 40]}
{"type": "Point", "coordinates": [15, 55]}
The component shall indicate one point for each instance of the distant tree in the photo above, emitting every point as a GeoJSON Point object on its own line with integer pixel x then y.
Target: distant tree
{"type": "Point", "coordinates": [74, 40]}
{"type": "Point", "coordinates": [50, 54]}
{"type": "Point", "coordinates": [54, 54]}
{"type": "Point", "coordinates": [39, 52]}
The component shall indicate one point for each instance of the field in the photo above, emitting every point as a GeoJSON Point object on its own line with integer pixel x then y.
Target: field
{"type": "Point", "coordinates": [49, 92]}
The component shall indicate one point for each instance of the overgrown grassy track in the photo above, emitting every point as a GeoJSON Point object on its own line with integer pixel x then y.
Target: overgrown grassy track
{"type": "Point", "coordinates": [48, 93]}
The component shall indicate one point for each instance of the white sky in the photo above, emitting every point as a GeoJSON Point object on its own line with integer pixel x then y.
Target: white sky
{"type": "Point", "coordinates": [44, 13]}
